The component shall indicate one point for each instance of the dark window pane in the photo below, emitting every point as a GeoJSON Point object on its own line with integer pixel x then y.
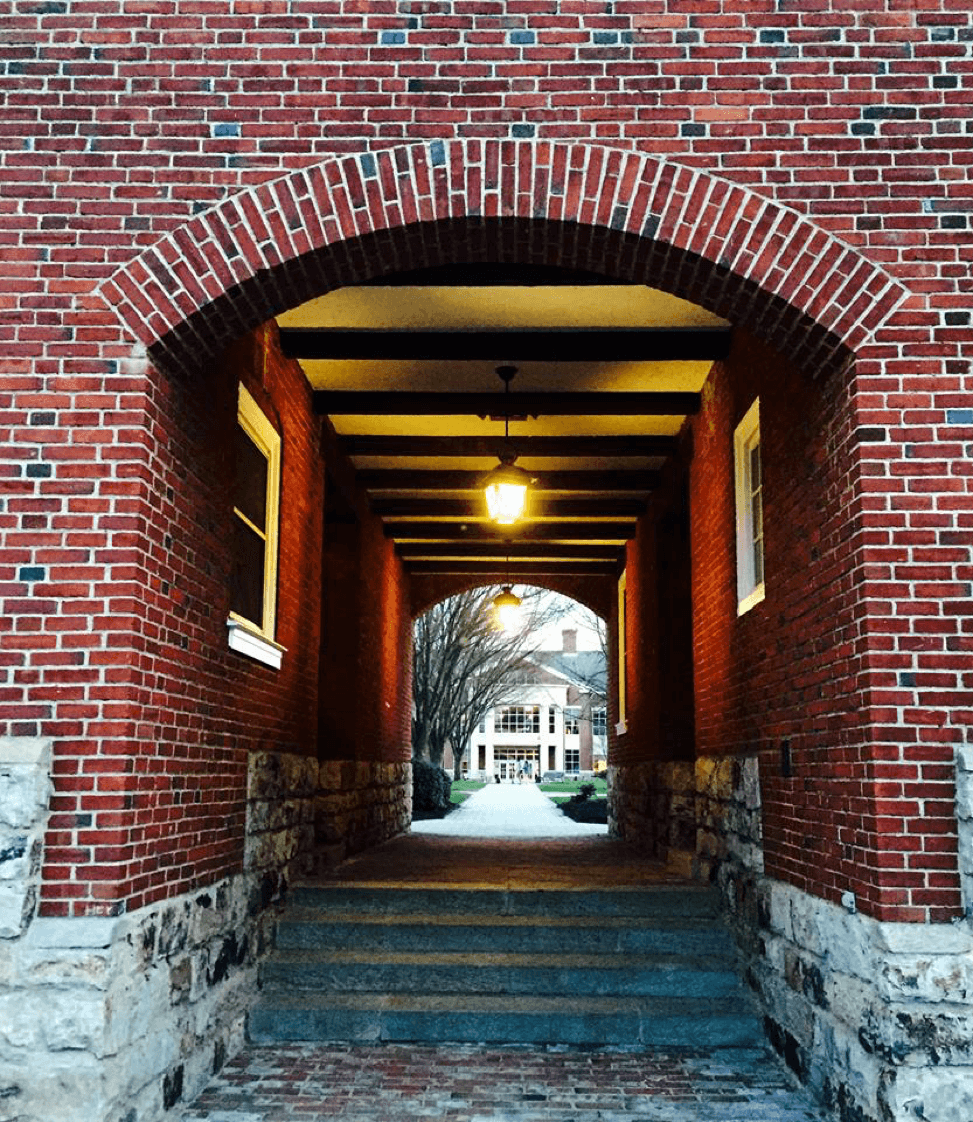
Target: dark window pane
{"type": "Point", "coordinates": [250, 485]}
{"type": "Point", "coordinates": [247, 581]}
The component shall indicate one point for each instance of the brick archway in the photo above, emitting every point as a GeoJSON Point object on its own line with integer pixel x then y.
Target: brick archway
{"type": "Point", "coordinates": [594, 593]}
{"type": "Point", "coordinates": [629, 215]}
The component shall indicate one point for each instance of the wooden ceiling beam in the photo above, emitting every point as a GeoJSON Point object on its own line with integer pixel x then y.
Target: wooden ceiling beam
{"type": "Point", "coordinates": [478, 274]}
{"type": "Point", "coordinates": [516, 571]}
{"type": "Point", "coordinates": [526, 532]}
{"type": "Point", "coordinates": [499, 551]}
{"type": "Point", "coordinates": [510, 345]}
{"type": "Point", "coordinates": [543, 506]}
{"type": "Point", "coordinates": [407, 403]}
{"type": "Point", "coordinates": [406, 479]}
{"type": "Point", "coordinates": [488, 446]}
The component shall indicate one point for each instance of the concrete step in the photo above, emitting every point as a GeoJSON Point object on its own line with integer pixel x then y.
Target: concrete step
{"type": "Point", "coordinates": [542, 974]}
{"type": "Point", "coordinates": [302, 929]}
{"type": "Point", "coordinates": [644, 967]}
{"type": "Point", "coordinates": [659, 1022]}
{"type": "Point", "coordinates": [691, 901]}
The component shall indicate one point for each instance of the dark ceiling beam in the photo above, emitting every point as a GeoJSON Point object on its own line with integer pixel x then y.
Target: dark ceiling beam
{"type": "Point", "coordinates": [575, 446]}
{"type": "Point", "coordinates": [428, 507]}
{"type": "Point", "coordinates": [520, 344]}
{"type": "Point", "coordinates": [403, 403]}
{"type": "Point", "coordinates": [407, 479]}
{"type": "Point", "coordinates": [517, 570]}
{"type": "Point", "coordinates": [525, 551]}
{"type": "Point", "coordinates": [525, 532]}
{"type": "Point", "coordinates": [479, 274]}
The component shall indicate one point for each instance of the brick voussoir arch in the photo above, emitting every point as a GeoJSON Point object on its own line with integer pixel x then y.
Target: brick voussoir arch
{"type": "Point", "coordinates": [718, 243]}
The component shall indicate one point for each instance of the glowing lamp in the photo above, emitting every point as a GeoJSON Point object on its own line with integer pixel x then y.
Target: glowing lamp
{"type": "Point", "coordinates": [506, 490]}
{"type": "Point", "coordinates": [506, 610]}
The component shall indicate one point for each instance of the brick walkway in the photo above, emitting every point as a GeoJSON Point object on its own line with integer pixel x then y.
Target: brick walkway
{"type": "Point", "coordinates": [468, 1083]}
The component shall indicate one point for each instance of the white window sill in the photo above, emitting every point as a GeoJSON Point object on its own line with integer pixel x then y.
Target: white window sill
{"type": "Point", "coordinates": [247, 642]}
{"type": "Point", "coordinates": [750, 601]}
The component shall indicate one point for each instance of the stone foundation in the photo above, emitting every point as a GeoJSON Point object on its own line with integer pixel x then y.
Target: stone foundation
{"type": "Point", "coordinates": [877, 1018]}
{"type": "Point", "coordinates": [360, 804]}
{"type": "Point", "coordinates": [121, 1019]}
{"type": "Point", "coordinates": [125, 1019]}
{"type": "Point", "coordinates": [25, 788]}
{"type": "Point", "coordinates": [652, 807]}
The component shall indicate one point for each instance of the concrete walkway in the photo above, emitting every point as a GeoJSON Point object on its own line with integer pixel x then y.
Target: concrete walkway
{"type": "Point", "coordinates": [508, 810]}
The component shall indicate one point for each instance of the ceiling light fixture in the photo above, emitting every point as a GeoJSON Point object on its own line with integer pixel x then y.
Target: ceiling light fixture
{"type": "Point", "coordinates": [506, 487]}
{"type": "Point", "coordinates": [507, 615]}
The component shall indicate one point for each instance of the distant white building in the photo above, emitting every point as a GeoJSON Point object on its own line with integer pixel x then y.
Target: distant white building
{"type": "Point", "coordinates": [555, 722]}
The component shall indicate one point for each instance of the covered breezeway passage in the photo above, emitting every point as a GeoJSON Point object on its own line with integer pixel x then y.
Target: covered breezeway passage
{"type": "Point", "coordinates": [732, 722]}
{"type": "Point", "coordinates": [273, 1082]}
{"type": "Point", "coordinates": [568, 975]}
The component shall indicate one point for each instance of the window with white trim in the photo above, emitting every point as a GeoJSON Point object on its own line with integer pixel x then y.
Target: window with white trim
{"type": "Point", "coordinates": [572, 721]}
{"type": "Point", "coordinates": [599, 722]}
{"type": "Point", "coordinates": [256, 505]}
{"type": "Point", "coordinates": [572, 759]}
{"type": "Point", "coordinates": [749, 510]}
{"type": "Point", "coordinates": [518, 718]}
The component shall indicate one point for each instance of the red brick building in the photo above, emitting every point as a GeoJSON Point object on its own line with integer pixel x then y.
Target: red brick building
{"type": "Point", "coordinates": [793, 709]}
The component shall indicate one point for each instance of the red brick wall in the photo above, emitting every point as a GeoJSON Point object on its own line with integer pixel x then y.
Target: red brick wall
{"type": "Point", "coordinates": [152, 801]}
{"type": "Point", "coordinates": [160, 808]}
{"type": "Point", "coordinates": [117, 135]}
{"type": "Point", "coordinates": [660, 717]}
{"type": "Point", "coordinates": [595, 592]}
{"type": "Point", "coordinates": [844, 813]}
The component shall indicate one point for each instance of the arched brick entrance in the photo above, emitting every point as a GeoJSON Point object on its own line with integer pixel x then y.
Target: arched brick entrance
{"type": "Point", "coordinates": [793, 289]}
{"type": "Point", "coordinates": [693, 234]}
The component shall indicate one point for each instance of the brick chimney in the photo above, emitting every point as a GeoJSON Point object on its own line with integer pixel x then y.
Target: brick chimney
{"type": "Point", "coordinates": [569, 641]}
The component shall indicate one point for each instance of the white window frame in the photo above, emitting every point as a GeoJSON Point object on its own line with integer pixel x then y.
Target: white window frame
{"type": "Point", "coordinates": [622, 726]}
{"type": "Point", "coordinates": [518, 720]}
{"type": "Point", "coordinates": [253, 638]}
{"type": "Point", "coordinates": [749, 515]}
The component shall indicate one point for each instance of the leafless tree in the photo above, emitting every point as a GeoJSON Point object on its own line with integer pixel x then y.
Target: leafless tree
{"type": "Point", "coordinates": [463, 666]}
{"type": "Point", "coordinates": [590, 676]}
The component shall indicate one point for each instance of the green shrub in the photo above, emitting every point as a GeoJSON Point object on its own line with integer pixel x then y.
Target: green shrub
{"type": "Point", "coordinates": [430, 788]}
{"type": "Point", "coordinates": [585, 791]}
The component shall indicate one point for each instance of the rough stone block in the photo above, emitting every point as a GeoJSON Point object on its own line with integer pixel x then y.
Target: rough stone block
{"type": "Point", "coordinates": [25, 764]}
{"type": "Point", "coordinates": [933, 1094]}
{"type": "Point", "coordinates": [68, 1087]}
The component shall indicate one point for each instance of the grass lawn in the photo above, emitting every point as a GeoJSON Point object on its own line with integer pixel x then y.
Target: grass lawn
{"type": "Point", "coordinates": [462, 789]}
{"type": "Point", "coordinates": [561, 791]}
{"type": "Point", "coordinates": [570, 787]}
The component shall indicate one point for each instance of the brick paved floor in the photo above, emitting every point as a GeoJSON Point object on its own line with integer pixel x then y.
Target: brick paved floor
{"type": "Point", "coordinates": [470, 1083]}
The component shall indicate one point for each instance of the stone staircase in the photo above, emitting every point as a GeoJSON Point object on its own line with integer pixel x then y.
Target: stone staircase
{"type": "Point", "coordinates": [651, 967]}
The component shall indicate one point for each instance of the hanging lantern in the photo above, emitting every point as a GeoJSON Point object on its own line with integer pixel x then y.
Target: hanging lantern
{"type": "Point", "coordinates": [506, 487]}
{"type": "Point", "coordinates": [506, 490]}
{"type": "Point", "coordinates": [506, 609]}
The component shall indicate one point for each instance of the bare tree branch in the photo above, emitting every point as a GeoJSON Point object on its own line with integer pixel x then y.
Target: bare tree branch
{"type": "Point", "coordinates": [463, 667]}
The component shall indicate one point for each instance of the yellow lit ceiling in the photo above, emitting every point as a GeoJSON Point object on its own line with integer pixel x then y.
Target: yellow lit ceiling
{"type": "Point", "coordinates": [589, 491]}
